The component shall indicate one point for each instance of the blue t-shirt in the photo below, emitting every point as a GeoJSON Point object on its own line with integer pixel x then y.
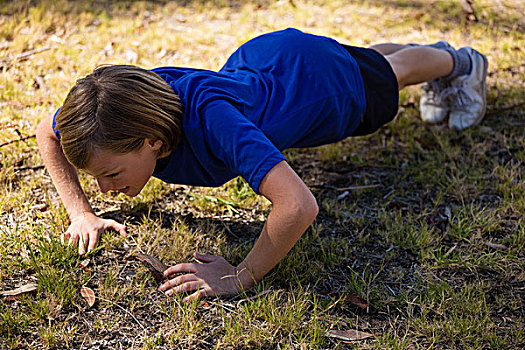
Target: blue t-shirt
{"type": "Point", "coordinates": [280, 90]}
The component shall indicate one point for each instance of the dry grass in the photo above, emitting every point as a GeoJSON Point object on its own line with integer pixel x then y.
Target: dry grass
{"type": "Point", "coordinates": [437, 249]}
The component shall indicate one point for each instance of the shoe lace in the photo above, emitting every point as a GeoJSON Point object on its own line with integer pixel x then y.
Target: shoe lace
{"type": "Point", "coordinates": [460, 96]}
{"type": "Point", "coordinates": [434, 89]}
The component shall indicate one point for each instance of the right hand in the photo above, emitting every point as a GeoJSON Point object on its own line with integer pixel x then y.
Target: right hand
{"type": "Point", "coordinates": [86, 230]}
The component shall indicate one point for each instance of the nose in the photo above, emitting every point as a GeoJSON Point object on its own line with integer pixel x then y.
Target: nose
{"type": "Point", "coordinates": [104, 184]}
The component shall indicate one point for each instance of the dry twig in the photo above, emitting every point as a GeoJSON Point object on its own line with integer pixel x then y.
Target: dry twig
{"type": "Point", "coordinates": [20, 139]}
{"type": "Point", "coordinates": [23, 56]}
{"type": "Point", "coordinates": [506, 108]}
{"type": "Point", "coordinates": [353, 188]}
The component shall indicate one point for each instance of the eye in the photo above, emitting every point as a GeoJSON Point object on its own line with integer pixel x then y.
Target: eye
{"type": "Point", "coordinates": [112, 175]}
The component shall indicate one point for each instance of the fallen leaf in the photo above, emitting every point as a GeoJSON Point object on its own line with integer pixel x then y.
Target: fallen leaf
{"type": "Point", "coordinates": [84, 265]}
{"type": "Point", "coordinates": [360, 302]}
{"type": "Point", "coordinates": [348, 335]}
{"type": "Point", "coordinates": [154, 265]}
{"type": "Point", "coordinates": [26, 288]}
{"type": "Point", "coordinates": [355, 300]}
{"type": "Point", "coordinates": [88, 295]}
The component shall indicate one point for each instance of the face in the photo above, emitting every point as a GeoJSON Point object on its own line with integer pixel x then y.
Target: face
{"type": "Point", "coordinates": [127, 173]}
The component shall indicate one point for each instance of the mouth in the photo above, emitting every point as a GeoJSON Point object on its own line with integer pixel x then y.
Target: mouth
{"type": "Point", "coordinates": [124, 190]}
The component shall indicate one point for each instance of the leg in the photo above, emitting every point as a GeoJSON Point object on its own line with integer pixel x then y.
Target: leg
{"type": "Point", "coordinates": [415, 65]}
{"type": "Point", "coordinates": [462, 91]}
{"type": "Point", "coordinates": [388, 48]}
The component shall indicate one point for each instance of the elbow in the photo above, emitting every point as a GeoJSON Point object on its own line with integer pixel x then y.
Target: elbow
{"type": "Point", "coordinates": [305, 209]}
{"type": "Point", "coordinates": [41, 127]}
{"type": "Point", "coordinates": [40, 131]}
{"type": "Point", "coordinates": [314, 209]}
{"type": "Point", "coordinates": [311, 208]}
{"type": "Point", "coordinates": [44, 133]}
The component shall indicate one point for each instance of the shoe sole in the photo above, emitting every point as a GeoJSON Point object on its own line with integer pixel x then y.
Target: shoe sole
{"type": "Point", "coordinates": [483, 87]}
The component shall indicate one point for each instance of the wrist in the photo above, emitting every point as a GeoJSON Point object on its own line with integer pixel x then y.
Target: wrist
{"type": "Point", "coordinates": [245, 277]}
{"type": "Point", "coordinates": [80, 215]}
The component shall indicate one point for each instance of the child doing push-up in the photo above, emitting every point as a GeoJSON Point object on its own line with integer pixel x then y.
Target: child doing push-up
{"type": "Point", "coordinates": [124, 124]}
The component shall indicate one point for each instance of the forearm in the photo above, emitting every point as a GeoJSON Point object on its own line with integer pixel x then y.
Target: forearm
{"type": "Point", "coordinates": [282, 230]}
{"type": "Point", "coordinates": [63, 174]}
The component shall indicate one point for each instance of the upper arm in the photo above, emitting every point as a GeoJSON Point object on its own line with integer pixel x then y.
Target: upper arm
{"type": "Point", "coordinates": [283, 187]}
{"type": "Point", "coordinates": [238, 142]}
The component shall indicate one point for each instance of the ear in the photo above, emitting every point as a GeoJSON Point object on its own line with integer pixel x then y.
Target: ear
{"type": "Point", "coordinates": [155, 145]}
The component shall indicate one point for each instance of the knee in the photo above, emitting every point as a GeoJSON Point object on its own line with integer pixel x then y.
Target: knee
{"type": "Point", "coordinates": [400, 69]}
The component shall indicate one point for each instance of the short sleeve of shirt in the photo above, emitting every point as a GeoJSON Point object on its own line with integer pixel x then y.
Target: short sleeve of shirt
{"type": "Point", "coordinates": [239, 143]}
{"type": "Point", "coordinates": [55, 130]}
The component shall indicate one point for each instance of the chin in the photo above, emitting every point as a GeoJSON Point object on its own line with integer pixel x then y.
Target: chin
{"type": "Point", "coordinates": [133, 194]}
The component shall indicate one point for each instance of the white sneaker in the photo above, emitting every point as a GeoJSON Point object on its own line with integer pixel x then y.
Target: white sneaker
{"type": "Point", "coordinates": [432, 106]}
{"type": "Point", "coordinates": [467, 94]}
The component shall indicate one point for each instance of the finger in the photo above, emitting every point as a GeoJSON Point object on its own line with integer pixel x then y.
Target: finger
{"type": "Point", "coordinates": [181, 268]}
{"type": "Point", "coordinates": [73, 239]}
{"type": "Point", "coordinates": [177, 281]}
{"type": "Point", "coordinates": [93, 239]}
{"type": "Point", "coordinates": [166, 286]}
{"type": "Point", "coordinates": [121, 229]}
{"type": "Point", "coordinates": [207, 258]}
{"type": "Point", "coordinates": [186, 287]}
{"type": "Point", "coordinates": [83, 239]}
{"type": "Point", "coordinates": [66, 236]}
{"type": "Point", "coordinates": [201, 293]}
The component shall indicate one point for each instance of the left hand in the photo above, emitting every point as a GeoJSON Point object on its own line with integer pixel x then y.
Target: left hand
{"type": "Point", "coordinates": [213, 277]}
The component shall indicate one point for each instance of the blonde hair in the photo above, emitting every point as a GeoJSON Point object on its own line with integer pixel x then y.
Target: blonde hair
{"type": "Point", "coordinates": [115, 109]}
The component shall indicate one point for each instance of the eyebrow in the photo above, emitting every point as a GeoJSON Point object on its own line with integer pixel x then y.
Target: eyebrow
{"type": "Point", "coordinates": [103, 173]}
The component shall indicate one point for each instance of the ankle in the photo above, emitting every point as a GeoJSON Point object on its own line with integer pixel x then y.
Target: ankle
{"type": "Point", "coordinates": [462, 64]}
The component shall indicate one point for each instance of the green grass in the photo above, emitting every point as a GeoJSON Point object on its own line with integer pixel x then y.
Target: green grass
{"type": "Point", "coordinates": [436, 247]}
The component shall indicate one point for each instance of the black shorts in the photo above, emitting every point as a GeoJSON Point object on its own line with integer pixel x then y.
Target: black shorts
{"type": "Point", "coordinates": [381, 89]}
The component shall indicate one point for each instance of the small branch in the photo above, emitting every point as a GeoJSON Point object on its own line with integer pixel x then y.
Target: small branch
{"type": "Point", "coordinates": [511, 69]}
{"type": "Point", "coordinates": [35, 167]}
{"type": "Point", "coordinates": [23, 56]}
{"type": "Point", "coordinates": [423, 143]}
{"type": "Point", "coordinates": [507, 108]}
{"type": "Point", "coordinates": [8, 126]}
{"type": "Point", "coordinates": [20, 139]}
{"type": "Point", "coordinates": [352, 188]}
{"type": "Point", "coordinates": [349, 188]}
{"type": "Point", "coordinates": [107, 211]}
{"type": "Point", "coordinates": [468, 9]}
